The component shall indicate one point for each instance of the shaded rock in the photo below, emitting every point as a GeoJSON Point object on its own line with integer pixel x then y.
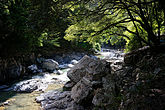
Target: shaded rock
{"type": "Point", "coordinates": [5, 88]}
{"type": "Point", "coordinates": [99, 98]}
{"type": "Point", "coordinates": [75, 106]}
{"type": "Point", "coordinates": [98, 69]}
{"type": "Point", "coordinates": [59, 72]}
{"type": "Point", "coordinates": [97, 84]}
{"type": "Point", "coordinates": [135, 56]}
{"type": "Point", "coordinates": [15, 71]}
{"type": "Point", "coordinates": [68, 86]}
{"type": "Point", "coordinates": [81, 92]}
{"type": "Point", "coordinates": [50, 64]}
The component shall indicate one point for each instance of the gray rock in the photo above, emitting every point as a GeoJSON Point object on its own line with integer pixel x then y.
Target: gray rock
{"type": "Point", "coordinates": [68, 86]}
{"type": "Point", "coordinates": [118, 62]}
{"type": "Point", "coordinates": [81, 91]}
{"type": "Point", "coordinates": [50, 64]}
{"type": "Point", "coordinates": [30, 86]}
{"type": "Point", "coordinates": [75, 106]}
{"type": "Point", "coordinates": [98, 98]}
{"type": "Point", "coordinates": [59, 72]}
{"type": "Point", "coordinates": [40, 98]}
{"type": "Point", "coordinates": [55, 100]}
{"type": "Point", "coordinates": [88, 67]}
{"type": "Point", "coordinates": [74, 62]}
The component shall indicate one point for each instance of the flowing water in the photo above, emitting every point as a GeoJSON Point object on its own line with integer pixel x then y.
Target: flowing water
{"type": "Point", "coordinates": [26, 101]}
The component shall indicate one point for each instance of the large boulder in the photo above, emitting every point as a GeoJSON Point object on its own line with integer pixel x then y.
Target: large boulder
{"type": "Point", "coordinates": [76, 73]}
{"type": "Point", "coordinates": [94, 69]}
{"type": "Point", "coordinates": [81, 92]}
{"type": "Point", "coordinates": [50, 64]}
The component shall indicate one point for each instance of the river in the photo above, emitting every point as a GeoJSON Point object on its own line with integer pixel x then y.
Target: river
{"type": "Point", "coordinates": [10, 100]}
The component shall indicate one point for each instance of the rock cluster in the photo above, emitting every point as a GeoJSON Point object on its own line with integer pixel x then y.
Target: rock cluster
{"type": "Point", "coordinates": [142, 78]}
{"type": "Point", "coordinates": [135, 84]}
{"type": "Point", "coordinates": [85, 79]}
{"type": "Point", "coordinates": [50, 64]}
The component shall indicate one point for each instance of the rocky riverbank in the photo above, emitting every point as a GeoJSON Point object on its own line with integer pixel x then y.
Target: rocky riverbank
{"type": "Point", "coordinates": [135, 84]}
{"type": "Point", "coordinates": [87, 81]}
{"type": "Point", "coordinates": [46, 73]}
{"type": "Point", "coordinates": [102, 82]}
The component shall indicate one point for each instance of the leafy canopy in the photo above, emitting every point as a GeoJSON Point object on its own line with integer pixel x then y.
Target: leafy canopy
{"type": "Point", "coordinates": [97, 21]}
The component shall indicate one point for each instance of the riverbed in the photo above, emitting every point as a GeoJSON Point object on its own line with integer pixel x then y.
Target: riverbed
{"type": "Point", "coordinates": [10, 100]}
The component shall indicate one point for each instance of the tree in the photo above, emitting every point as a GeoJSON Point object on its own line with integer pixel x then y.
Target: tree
{"type": "Point", "coordinates": [96, 19]}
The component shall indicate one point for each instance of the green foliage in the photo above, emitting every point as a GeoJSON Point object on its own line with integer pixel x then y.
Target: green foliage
{"type": "Point", "coordinates": [14, 29]}
{"type": "Point", "coordinates": [29, 24]}
{"type": "Point", "coordinates": [132, 44]}
{"type": "Point", "coordinates": [48, 39]}
{"type": "Point", "coordinates": [99, 21]}
{"type": "Point", "coordinates": [26, 25]}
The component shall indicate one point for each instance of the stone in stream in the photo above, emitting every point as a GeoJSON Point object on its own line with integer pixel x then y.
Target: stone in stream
{"type": "Point", "coordinates": [50, 65]}
{"type": "Point", "coordinates": [70, 65]}
{"type": "Point", "coordinates": [74, 62]}
{"type": "Point", "coordinates": [58, 72]}
{"type": "Point", "coordinates": [30, 86]}
{"type": "Point", "coordinates": [65, 66]}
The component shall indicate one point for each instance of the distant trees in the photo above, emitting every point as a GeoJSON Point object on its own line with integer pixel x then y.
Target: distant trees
{"type": "Point", "coordinates": [138, 21]}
